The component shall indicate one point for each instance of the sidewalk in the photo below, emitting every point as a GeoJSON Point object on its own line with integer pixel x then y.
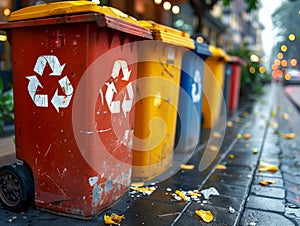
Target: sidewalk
{"type": "Point", "coordinates": [241, 200]}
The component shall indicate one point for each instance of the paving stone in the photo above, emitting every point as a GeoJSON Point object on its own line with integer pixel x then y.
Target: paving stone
{"type": "Point", "coordinates": [262, 218]}
{"type": "Point", "coordinates": [227, 189]}
{"type": "Point", "coordinates": [267, 191]}
{"type": "Point", "coordinates": [222, 216]}
{"type": "Point", "coordinates": [267, 204]}
{"type": "Point", "coordinates": [279, 182]}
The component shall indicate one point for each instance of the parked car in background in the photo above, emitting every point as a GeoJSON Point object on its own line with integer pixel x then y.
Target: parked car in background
{"type": "Point", "coordinates": [291, 77]}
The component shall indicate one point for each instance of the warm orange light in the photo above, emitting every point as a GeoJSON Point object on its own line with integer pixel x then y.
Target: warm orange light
{"type": "Point", "coordinates": [6, 12]}
{"type": "Point", "coordinates": [283, 48]}
{"type": "Point", "coordinates": [292, 37]}
{"type": "Point", "coordinates": [252, 70]}
{"type": "Point", "coordinates": [262, 70]}
{"type": "Point", "coordinates": [274, 67]}
{"type": "Point", "coordinates": [280, 55]}
{"type": "Point", "coordinates": [287, 76]}
{"type": "Point", "coordinates": [284, 63]}
{"type": "Point", "coordinates": [294, 62]}
{"type": "Point", "coordinates": [277, 62]}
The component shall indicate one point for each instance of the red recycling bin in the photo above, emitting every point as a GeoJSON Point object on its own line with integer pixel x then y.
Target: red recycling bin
{"type": "Point", "coordinates": [235, 80]}
{"type": "Point", "coordinates": [73, 67]}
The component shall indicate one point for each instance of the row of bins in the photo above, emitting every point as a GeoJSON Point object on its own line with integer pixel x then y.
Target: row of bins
{"type": "Point", "coordinates": [102, 100]}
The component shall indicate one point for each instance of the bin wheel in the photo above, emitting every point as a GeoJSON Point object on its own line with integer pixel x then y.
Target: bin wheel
{"type": "Point", "coordinates": [16, 187]}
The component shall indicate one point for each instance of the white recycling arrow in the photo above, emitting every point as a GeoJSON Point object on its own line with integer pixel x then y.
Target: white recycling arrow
{"type": "Point", "coordinates": [53, 62]}
{"type": "Point", "coordinates": [127, 104]}
{"type": "Point", "coordinates": [196, 87]}
{"type": "Point", "coordinates": [118, 65]}
{"type": "Point", "coordinates": [114, 106]}
{"type": "Point", "coordinates": [63, 101]}
{"type": "Point", "coordinates": [40, 100]}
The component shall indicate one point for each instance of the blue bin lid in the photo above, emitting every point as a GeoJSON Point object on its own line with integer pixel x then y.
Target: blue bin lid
{"type": "Point", "coordinates": [202, 50]}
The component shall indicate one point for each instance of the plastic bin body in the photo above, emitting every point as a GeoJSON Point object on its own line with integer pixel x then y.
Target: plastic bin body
{"type": "Point", "coordinates": [235, 81]}
{"type": "Point", "coordinates": [190, 99]}
{"type": "Point", "coordinates": [156, 114]}
{"type": "Point", "coordinates": [213, 87]}
{"type": "Point", "coordinates": [227, 84]}
{"type": "Point", "coordinates": [62, 110]}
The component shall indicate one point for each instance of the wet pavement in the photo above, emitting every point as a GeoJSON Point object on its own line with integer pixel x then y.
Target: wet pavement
{"type": "Point", "coordinates": [242, 200]}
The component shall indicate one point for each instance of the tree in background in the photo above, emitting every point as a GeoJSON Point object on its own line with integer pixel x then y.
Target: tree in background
{"type": "Point", "coordinates": [286, 20]}
{"type": "Point", "coordinates": [203, 6]}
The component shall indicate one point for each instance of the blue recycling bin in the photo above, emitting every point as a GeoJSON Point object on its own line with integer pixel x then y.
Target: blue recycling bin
{"type": "Point", "coordinates": [188, 125]}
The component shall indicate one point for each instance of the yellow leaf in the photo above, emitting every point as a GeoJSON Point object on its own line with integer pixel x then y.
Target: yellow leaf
{"type": "Point", "coordinates": [144, 190]}
{"type": "Point", "coordinates": [285, 115]}
{"type": "Point", "coordinates": [180, 194]}
{"type": "Point", "coordinates": [267, 182]}
{"type": "Point", "coordinates": [247, 136]}
{"type": "Point", "coordinates": [286, 135]}
{"type": "Point", "coordinates": [206, 216]}
{"type": "Point", "coordinates": [229, 123]}
{"type": "Point", "coordinates": [267, 167]}
{"type": "Point", "coordinates": [187, 167]}
{"type": "Point", "coordinates": [113, 219]}
{"type": "Point", "coordinates": [221, 167]}
{"type": "Point", "coordinates": [138, 184]}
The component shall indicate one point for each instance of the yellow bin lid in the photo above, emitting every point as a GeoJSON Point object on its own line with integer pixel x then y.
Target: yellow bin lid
{"type": "Point", "coordinates": [66, 8]}
{"type": "Point", "coordinates": [220, 53]}
{"type": "Point", "coordinates": [168, 34]}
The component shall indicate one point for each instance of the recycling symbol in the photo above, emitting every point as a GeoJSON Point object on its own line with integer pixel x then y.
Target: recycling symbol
{"type": "Point", "coordinates": [116, 105]}
{"type": "Point", "coordinates": [41, 100]}
{"type": "Point", "coordinates": [196, 87]}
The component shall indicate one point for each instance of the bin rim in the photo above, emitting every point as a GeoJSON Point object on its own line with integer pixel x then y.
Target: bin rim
{"type": "Point", "coordinates": [168, 34]}
{"type": "Point", "coordinates": [219, 52]}
{"type": "Point", "coordinates": [237, 60]}
{"type": "Point", "coordinates": [202, 49]}
{"type": "Point", "coordinates": [67, 8]}
{"type": "Point", "coordinates": [103, 17]}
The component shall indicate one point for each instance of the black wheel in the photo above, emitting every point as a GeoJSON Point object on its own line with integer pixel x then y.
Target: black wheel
{"type": "Point", "coordinates": [16, 187]}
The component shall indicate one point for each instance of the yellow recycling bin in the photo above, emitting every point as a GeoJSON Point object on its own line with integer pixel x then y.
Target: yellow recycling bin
{"type": "Point", "coordinates": [158, 87]}
{"type": "Point", "coordinates": [214, 74]}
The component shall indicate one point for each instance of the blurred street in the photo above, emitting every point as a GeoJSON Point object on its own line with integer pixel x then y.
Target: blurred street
{"type": "Point", "coordinates": [256, 176]}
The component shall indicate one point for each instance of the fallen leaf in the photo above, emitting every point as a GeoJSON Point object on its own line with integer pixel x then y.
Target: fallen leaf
{"type": "Point", "coordinates": [181, 195]}
{"type": "Point", "coordinates": [113, 219]}
{"type": "Point", "coordinates": [267, 167]}
{"type": "Point", "coordinates": [247, 136]}
{"type": "Point", "coordinates": [221, 167]}
{"type": "Point", "coordinates": [245, 114]}
{"type": "Point", "coordinates": [255, 150]}
{"type": "Point", "coordinates": [144, 190]}
{"type": "Point", "coordinates": [285, 115]}
{"type": "Point", "coordinates": [217, 135]}
{"type": "Point", "coordinates": [231, 156]}
{"type": "Point", "coordinates": [239, 136]}
{"type": "Point", "coordinates": [186, 167]}
{"type": "Point", "coordinates": [267, 182]}
{"type": "Point", "coordinates": [229, 123]}
{"type": "Point", "coordinates": [287, 135]}
{"type": "Point", "coordinates": [138, 184]}
{"type": "Point", "coordinates": [206, 216]}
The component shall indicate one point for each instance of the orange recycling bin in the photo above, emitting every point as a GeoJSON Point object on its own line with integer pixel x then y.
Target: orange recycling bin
{"type": "Point", "coordinates": [214, 75]}
{"type": "Point", "coordinates": [73, 67]}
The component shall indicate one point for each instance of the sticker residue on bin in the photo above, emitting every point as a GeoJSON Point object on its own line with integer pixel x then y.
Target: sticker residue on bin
{"type": "Point", "coordinates": [93, 180]}
{"type": "Point", "coordinates": [97, 193]}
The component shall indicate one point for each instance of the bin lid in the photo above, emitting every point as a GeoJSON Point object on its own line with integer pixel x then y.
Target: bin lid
{"type": "Point", "coordinates": [202, 49]}
{"type": "Point", "coordinates": [219, 53]}
{"type": "Point", "coordinates": [237, 60]}
{"type": "Point", "coordinates": [75, 11]}
{"type": "Point", "coordinates": [168, 34]}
